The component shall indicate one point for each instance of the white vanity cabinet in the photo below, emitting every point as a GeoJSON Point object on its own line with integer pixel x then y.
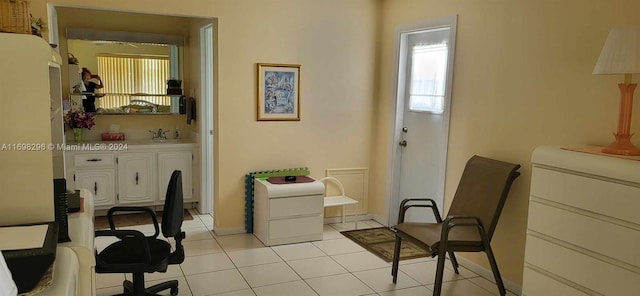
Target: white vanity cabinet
{"type": "Point", "coordinates": [136, 175]}
{"type": "Point", "coordinates": [175, 160]}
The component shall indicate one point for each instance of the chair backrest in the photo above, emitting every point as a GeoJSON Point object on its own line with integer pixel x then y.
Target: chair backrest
{"type": "Point", "coordinates": [173, 212]}
{"type": "Point", "coordinates": [483, 190]}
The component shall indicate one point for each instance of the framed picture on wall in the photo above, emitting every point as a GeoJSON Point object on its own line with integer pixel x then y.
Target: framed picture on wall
{"type": "Point", "coordinates": [278, 92]}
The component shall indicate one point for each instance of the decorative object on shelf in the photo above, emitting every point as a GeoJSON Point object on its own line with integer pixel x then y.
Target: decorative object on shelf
{"type": "Point", "coordinates": [37, 26]}
{"type": "Point", "coordinates": [71, 59]}
{"type": "Point", "coordinates": [79, 120]}
{"type": "Point", "coordinates": [15, 16]}
{"type": "Point", "coordinates": [621, 55]}
{"type": "Point", "coordinates": [174, 87]}
{"type": "Point", "coordinates": [278, 92]}
{"type": "Point", "coordinates": [112, 136]}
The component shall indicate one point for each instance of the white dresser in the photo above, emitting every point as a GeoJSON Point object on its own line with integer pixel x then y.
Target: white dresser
{"type": "Point", "coordinates": [583, 234]}
{"type": "Point", "coordinates": [288, 213]}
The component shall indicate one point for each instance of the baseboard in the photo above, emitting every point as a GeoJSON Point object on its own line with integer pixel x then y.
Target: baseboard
{"type": "Point", "coordinates": [379, 219]}
{"type": "Point", "coordinates": [228, 230]}
{"type": "Point", "coordinates": [488, 275]}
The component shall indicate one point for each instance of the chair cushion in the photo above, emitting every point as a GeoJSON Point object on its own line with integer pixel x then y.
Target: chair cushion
{"type": "Point", "coordinates": [427, 235]}
{"type": "Point", "coordinates": [130, 250]}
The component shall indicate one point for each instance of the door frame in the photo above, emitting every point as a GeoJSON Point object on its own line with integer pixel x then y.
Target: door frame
{"type": "Point", "coordinates": [398, 100]}
{"type": "Point", "coordinates": [206, 125]}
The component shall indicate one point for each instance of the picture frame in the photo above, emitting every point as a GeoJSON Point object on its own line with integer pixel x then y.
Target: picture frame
{"type": "Point", "coordinates": [278, 92]}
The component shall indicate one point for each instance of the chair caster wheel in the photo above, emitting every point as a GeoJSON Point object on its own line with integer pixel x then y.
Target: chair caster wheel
{"type": "Point", "coordinates": [174, 292]}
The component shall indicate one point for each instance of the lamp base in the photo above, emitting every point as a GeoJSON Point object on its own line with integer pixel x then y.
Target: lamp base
{"type": "Point", "coordinates": [622, 146]}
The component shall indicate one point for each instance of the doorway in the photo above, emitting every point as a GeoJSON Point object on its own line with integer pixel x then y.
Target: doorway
{"type": "Point", "coordinates": [206, 104]}
{"type": "Point", "coordinates": [425, 54]}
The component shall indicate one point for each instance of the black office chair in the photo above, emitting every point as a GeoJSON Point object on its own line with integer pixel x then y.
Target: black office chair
{"type": "Point", "coordinates": [135, 253]}
{"type": "Point", "coordinates": [470, 223]}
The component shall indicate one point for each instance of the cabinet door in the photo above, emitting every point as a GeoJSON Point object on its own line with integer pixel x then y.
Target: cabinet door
{"type": "Point", "coordinates": [170, 161]}
{"type": "Point", "coordinates": [136, 177]}
{"type": "Point", "coordinates": [100, 183]}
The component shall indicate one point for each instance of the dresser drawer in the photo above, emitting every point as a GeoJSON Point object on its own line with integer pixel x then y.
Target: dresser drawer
{"type": "Point", "coordinates": [537, 284]}
{"type": "Point", "coordinates": [595, 195]}
{"type": "Point", "coordinates": [94, 160]}
{"type": "Point", "coordinates": [296, 206]}
{"type": "Point", "coordinates": [590, 272]}
{"type": "Point", "coordinates": [586, 230]}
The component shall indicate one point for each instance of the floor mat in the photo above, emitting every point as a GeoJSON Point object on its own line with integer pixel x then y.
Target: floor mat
{"type": "Point", "coordinates": [381, 242]}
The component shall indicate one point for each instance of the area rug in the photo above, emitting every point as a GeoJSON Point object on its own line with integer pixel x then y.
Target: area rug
{"type": "Point", "coordinates": [381, 242]}
{"type": "Point", "coordinates": [124, 220]}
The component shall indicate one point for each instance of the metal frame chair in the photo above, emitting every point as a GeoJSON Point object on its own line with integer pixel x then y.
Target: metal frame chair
{"type": "Point", "coordinates": [470, 223]}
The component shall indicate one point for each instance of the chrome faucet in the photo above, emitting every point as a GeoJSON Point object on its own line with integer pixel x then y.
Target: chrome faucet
{"type": "Point", "coordinates": [160, 134]}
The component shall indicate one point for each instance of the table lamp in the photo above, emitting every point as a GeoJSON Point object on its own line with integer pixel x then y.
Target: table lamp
{"type": "Point", "coordinates": [621, 55]}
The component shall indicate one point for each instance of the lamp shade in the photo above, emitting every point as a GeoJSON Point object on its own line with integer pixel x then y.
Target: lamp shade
{"type": "Point", "coordinates": [621, 52]}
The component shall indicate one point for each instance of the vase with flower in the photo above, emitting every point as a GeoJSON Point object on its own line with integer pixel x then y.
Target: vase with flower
{"type": "Point", "coordinates": [79, 120]}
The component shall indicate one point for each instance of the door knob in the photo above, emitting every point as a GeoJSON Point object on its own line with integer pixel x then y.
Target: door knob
{"type": "Point", "coordinates": [403, 143]}
{"type": "Point", "coordinates": [405, 129]}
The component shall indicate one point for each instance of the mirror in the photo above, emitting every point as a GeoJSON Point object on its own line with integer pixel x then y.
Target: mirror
{"type": "Point", "coordinates": [124, 72]}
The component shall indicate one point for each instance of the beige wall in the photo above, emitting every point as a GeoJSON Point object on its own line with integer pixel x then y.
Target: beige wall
{"type": "Point", "coordinates": [334, 41]}
{"type": "Point", "coordinates": [522, 78]}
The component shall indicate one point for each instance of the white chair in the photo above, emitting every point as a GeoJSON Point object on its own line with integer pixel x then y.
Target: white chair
{"type": "Point", "coordinates": [338, 200]}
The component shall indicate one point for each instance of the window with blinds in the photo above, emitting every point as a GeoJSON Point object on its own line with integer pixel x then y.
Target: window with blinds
{"type": "Point", "coordinates": [124, 75]}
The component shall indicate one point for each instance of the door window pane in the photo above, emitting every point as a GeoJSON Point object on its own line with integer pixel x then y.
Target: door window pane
{"type": "Point", "coordinates": [428, 78]}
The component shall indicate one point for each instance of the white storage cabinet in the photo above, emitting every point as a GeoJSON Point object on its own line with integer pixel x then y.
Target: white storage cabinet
{"type": "Point", "coordinates": [584, 225]}
{"type": "Point", "coordinates": [288, 213]}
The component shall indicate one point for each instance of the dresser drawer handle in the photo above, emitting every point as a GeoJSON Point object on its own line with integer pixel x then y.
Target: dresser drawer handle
{"type": "Point", "coordinates": [94, 159]}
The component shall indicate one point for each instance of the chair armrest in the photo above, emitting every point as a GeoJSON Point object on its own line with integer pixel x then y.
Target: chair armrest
{"type": "Point", "coordinates": [452, 221]}
{"type": "Point", "coordinates": [147, 210]}
{"type": "Point", "coordinates": [122, 234]}
{"type": "Point", "coordinates": [406, 204]}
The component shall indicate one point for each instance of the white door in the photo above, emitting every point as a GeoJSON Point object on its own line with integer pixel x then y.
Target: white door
{"type": "Point", "coordinates": [206, 148]}
{"type": "Point", "coordinates": [425, 68]}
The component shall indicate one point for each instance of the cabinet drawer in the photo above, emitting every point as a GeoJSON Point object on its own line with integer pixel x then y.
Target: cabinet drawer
{"type": "Point", "coordinates": [599, 196]}
{"type": "Point", "coordinates": [590, 272]}
{"type": "Point", "coordinates": [589, 232]}
{"type": "Point", "coordinates": [537, 284]}
{"type": "Point", "coordinates": [295, 227]}
{"type": "Point", "coordinates": [94, 160]}
{"type": "Point", "coordinates": [296, 206]}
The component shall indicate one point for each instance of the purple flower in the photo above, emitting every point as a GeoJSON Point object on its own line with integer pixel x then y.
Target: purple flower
{"type": "Point", "coordinates": [79, 119]}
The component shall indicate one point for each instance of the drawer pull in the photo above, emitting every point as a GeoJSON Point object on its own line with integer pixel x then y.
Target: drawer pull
{"type": "Point", "coordinates": [94, 159]}
{"type": "Point", "coordinates": [95, 188]}
{"type": "Point", "coordinates": [136, 178]}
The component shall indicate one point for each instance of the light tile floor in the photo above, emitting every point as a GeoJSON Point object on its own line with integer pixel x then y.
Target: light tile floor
{"type": "Point", "coordinates": [240, 265]}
